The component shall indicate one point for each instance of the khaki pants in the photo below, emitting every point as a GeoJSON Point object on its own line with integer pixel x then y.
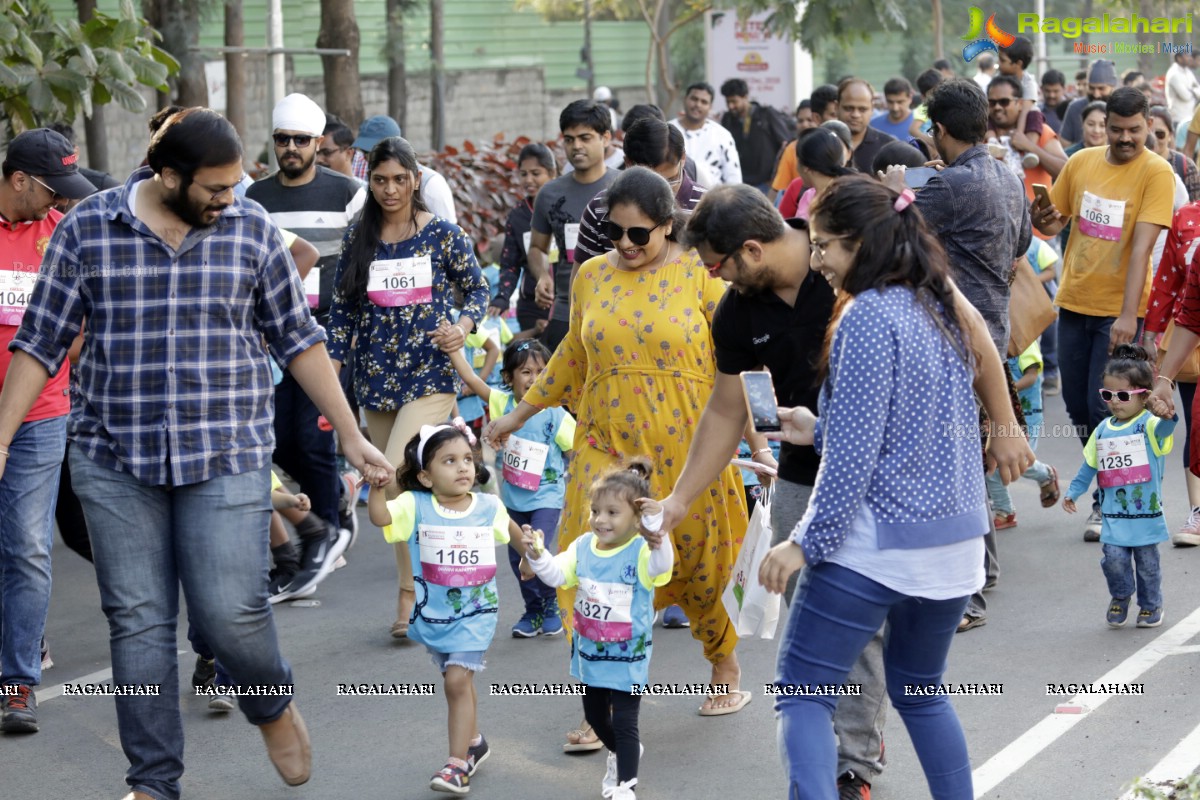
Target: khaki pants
{"type": "Point", "coordinates": [390, 432]}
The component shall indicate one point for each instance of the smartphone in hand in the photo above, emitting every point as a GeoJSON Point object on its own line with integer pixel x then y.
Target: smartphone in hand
{"type": "Point", "coordinates": [760, 401]}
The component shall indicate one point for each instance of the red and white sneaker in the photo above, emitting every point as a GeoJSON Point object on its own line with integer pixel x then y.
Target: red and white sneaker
{"type": "Point", "coordinates": [853, 787]}
{"type": "Point", "coordinates": [1189, 534]}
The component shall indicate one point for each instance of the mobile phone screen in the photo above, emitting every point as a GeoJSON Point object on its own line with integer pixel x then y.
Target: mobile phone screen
{"type": "Point", "coordinates": [760, 399]}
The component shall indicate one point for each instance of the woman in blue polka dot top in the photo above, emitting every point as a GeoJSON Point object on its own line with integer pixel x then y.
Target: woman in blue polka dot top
{"type": "Point", "coordinates": [894, 530]}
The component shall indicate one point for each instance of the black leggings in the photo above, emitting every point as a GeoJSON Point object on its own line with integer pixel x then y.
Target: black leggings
{"type": "Point", "coordinates": [613, 715]}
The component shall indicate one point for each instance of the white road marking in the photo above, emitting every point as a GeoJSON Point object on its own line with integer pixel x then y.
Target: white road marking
{"type": "Point", "coordinates": [1019, 752]}
{"type": "Point", "coordinates": [1175, 765]}
{"type": "Point", "coordinates": [95, 677]}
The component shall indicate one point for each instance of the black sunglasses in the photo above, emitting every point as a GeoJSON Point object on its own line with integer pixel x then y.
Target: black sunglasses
{"type": "Point", "coordinates": [1003, 102]}
{"type": "Point", "coordinates": [639, 236]}
{"type": "Point", "coordinates": [282, 139]}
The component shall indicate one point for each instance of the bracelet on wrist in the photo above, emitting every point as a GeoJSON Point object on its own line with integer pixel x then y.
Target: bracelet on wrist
{"type": "Point", "coordinates": [760, 452]}
{"type": "Point", "coordinates": [1168, 380]}
{"type": "Point", "coordinates": [4, 450]}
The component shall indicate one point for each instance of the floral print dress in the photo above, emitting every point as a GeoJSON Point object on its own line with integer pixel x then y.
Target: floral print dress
{"type": "Point", "coordinates": [637, 367]}
{"type": "Point", "coordinates": [394, 360]}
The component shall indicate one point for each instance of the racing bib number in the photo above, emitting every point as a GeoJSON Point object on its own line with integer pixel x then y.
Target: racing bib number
{"type": "Point", "coordinates": [398, 282]}
{"type": "Point", "coordinates": [312, 287]}
{"type": "Point", "coordinates": [1101, 218]}
{"type": "Point", "coordinates": [1122, 460]}
{"type": "Point", "coordinates": [571, 238]}
{"type": "Point", "coordinates": [604, 611]}
{"type": "Point", "coordinates": [16, 287]}
{"type": "Point", "coordinates": [524, 463]}
{"type": "Point", "coordinates": [457, 556]}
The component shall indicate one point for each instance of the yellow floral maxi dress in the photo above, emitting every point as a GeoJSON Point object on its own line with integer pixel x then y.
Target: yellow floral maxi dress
{"type": "Point", "coordinates": [637, 366]}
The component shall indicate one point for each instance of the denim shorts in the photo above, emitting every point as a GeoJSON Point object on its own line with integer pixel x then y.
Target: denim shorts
{"type": "Point", "coordinates": [469, 659]}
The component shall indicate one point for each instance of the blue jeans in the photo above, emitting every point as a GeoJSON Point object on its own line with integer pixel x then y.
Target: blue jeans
{"type": "Point", "coordinates": [535, 593]}
{"type": "Point", "coordinates": [835, 614]}
{"type": "Point", "coordinates": [1082, 355]}
{"type": "Point", "coordinates": [1049, 338]}
{"type": "Point", "coordinates": [27, 494]}
{"type": "Point", "coordinates": [1118, 564]}
{"type": "Point", "coordinates": [211, 538]}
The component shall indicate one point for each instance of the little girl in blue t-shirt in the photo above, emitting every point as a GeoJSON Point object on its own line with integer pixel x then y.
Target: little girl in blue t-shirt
{"type": "Point", "coordinates": [616, 572]}
{"type": "Point", "coordinates": [1126, 453]}
{"type": "Point", "coordinates": [532, 469]}
{"type": "Point", "coordinates": [454, 568]}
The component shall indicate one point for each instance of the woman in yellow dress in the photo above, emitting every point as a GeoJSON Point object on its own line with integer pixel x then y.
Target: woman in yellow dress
{"type": "Point", "coordinates": [637, 367]}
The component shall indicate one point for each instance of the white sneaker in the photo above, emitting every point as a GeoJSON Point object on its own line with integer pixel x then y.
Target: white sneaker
{"type": "Point", "coordinates": [1091, 531]}
{"type": "Point", "coordinates": [625, 791]}
{"type": "Point", "coordinates": [608, 786]}
{"type": "Point", "coordinates": [1189, 534]}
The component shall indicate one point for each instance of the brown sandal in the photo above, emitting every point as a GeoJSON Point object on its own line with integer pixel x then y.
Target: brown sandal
{"type": "Point", "coordinates": [1050, 492]}
{"type": "Point", "coordinates": [580, 743]}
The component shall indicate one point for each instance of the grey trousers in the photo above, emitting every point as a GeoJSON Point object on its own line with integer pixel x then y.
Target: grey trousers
{"type": "Point", "coordinates": [858, 721]}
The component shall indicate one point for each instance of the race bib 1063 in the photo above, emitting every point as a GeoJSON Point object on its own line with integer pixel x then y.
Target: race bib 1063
{"type": "Point", "coordinates": [457, 556]}
{"type": "Point", "coordinates": [401, 282]}
{"type": "Point", "coordinates": [1101, 218]}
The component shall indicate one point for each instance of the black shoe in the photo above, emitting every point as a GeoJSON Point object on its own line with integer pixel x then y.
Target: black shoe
{"type": "Point", "coordinates": [853, 787]}
{"type": "Point", "coordinates": [19, 709]}
{"type": "Point", "coordinates": [277, 582]}
{"type": "Point", "coordinates": [477, 754]}
{"type": "Point", "coordinates": [316, 562]}
{"type": "Point", "coordinates": [205, 672]}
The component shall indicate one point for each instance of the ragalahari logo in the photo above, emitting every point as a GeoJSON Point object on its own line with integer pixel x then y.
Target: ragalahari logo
{"type": "Point", "coordinates": [983, 37]}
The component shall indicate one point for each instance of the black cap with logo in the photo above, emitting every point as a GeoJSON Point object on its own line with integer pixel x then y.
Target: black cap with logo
{"type": "Point", "coordinates": [48, 156]}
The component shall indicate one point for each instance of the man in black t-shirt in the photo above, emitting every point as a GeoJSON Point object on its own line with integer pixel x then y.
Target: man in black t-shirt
{"type": "Point", "coordinates": [774, 315]}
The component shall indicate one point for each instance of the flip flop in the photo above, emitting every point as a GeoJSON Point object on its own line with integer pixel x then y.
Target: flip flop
{"type": "Point", "coordinates": [580, 746]}
{"type": "Point", "coordinates": [744, 698]}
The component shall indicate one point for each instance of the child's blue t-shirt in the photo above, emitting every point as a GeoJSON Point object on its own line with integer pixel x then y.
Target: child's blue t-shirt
{"type": "Point", "coordinates": [1031, 396]}
{"type": "Point", "coordinates": [614, 612]}
{"type": "Point", "coordinates": [454, 566]}
{"type": "Point", "coordinates": [1127, 458]}
{"type": "Point", "coordinates": [532, 464]}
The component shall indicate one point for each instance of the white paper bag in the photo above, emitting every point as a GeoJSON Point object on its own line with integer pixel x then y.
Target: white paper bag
{"type": "Point", "coordinates": [753, 610]}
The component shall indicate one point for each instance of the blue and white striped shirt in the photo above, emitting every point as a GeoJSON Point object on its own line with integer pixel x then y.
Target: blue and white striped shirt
{"type": "Point", "coordinates": [173, 382]}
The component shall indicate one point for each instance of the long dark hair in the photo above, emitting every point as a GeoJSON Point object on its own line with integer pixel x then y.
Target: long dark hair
{"type": "Point", "coordinates": [895, 247]}
{"type": "Point", "coordinates": [820, 150]}
{"type": "Point", "coordinates": [364, 240]}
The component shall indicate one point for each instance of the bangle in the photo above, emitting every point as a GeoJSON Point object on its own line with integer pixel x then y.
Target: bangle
{"type": "Point", "coordinates": [760, 452]}
{"type": "Point", "coordinates": [4, 450]}
{"type": "Point", "coordinates": [1168, 380]}
{"type": "Point", "coordinates": [461, 328]}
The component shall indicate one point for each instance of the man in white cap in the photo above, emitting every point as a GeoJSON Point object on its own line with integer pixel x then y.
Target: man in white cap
{"type": "Point", "coordinates": [604, 96]}
{"type": "Point", "coordinates": [318, 204]}
{"type": "Point", "coordinates": [40, 169]}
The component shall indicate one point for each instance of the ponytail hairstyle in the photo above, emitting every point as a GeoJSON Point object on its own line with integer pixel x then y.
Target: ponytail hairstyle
{"type": "Point", "coordinates": [516, 355]}
{"type": "Point", "coordinates": [414, 463]}
{"type": "Point", "coordinates": [822, 152]}
{"type": "Point", "coordinates": [629, 482]}
{"type": "Point", "coordinates": [364, 238]}
{"type": "Point", "coordinates": [896, 247]}
{"type": "Point", "coordinates": [1131, 362]}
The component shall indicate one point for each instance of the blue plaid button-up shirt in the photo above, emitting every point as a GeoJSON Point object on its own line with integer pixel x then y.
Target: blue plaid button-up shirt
{"type": "Point", "coordinates": [173, 384]}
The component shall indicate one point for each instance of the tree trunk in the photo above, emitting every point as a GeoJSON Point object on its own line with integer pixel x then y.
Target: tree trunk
{"type": "Point", "coordinates": [938, 50]}
{"type": "Point", "coordinates": [665, 89]}
{"type": "Point", "coordinates": [589, 64]}
{"type": "Point", "coordinates": [180, 28]}
{"type": "Point", "coordinates": [437, 71]}
{"type": "Point", "coordinates": [93, 127]}
{"type": "Point", "coordinates": [339, 28]}
{"type": "Point", "coordinates": [235, 68]}
{"type": "Point", "coordinates": [397, 76]}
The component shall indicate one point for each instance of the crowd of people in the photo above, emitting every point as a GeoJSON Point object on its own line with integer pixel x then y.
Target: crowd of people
{"type": "Point", "coordinates": [581, 400]}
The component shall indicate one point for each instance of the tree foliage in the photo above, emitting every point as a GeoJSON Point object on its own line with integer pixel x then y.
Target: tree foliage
{"type": "Point", "coordinates": [52, 69]}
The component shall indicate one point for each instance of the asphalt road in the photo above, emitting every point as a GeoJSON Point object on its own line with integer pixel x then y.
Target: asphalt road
{"type": "Point", "coordinates": [1046, 625]}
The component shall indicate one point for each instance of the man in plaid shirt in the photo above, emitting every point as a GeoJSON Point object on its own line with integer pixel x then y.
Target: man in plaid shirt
{"type": "Point", "coordinates": [181, 283]}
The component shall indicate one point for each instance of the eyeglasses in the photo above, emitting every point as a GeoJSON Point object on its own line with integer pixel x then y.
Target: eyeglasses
{"type": "Point", "coordinates": [1123, 395]}
{"type": "Point", "coordinates": [302, 141]}
{"type": "Point", "coordinates": [213, 194]}
{"type": "Point", "coordinates": [639, 236]}
{"type": "Point", "coordinates": [1003, 102]}
{"type": "Point", "coordinates": [54, 195]}
{"type": "Point", "coordinates": [326, 152]}
{"type": "Point", "coordinates": [713, 269]}
{"type": "Point", "coordinates": [818, 246]}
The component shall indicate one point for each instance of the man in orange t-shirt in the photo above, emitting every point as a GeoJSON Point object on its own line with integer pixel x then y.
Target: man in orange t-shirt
{"type": "Point", "coordinates": [39, 171]}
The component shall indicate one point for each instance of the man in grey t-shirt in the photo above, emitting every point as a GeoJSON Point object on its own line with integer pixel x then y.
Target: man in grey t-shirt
{"type": "Point", "coordinates": [560, 205]}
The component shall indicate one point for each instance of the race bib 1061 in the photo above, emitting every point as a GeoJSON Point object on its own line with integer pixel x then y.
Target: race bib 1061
{"type": "Point", "coordinates": [524, 463]}
{"type": "Point", "coordinates": [401, 282]}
